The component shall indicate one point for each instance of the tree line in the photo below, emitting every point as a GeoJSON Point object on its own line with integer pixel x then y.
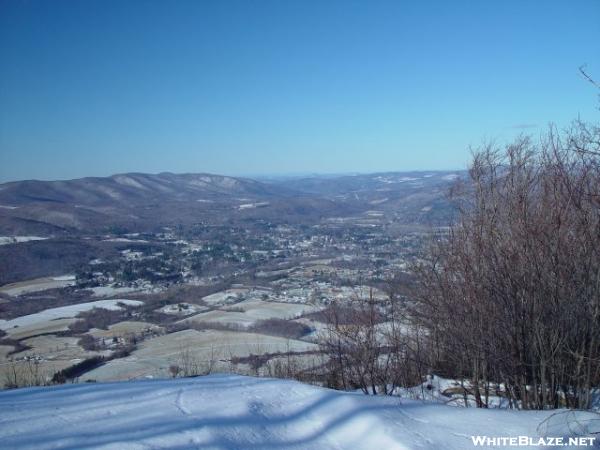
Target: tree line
{"type": "Point", "coordinates": [508, 297]}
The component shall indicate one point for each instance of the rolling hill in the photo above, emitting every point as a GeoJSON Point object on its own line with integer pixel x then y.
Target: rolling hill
{"type": "Point", "coordinates": [146, 202]}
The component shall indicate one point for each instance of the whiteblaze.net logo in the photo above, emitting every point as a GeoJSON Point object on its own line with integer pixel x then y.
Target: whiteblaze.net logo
{"type": "Point", "coordinates": [528, 441]}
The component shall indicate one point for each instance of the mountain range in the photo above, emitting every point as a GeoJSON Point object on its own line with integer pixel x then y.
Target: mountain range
{"type": "Point", "coordinates": [145, 202]}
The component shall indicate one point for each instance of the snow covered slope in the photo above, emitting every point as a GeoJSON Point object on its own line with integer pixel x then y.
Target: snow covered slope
{"type": "Point", "coordinates": [235, 412]}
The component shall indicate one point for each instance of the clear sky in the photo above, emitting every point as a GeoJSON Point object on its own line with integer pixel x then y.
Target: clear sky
{"type": "Point", "coordinates": [92, 88]}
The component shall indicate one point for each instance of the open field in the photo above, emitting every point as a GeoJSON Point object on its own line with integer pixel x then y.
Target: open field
{"type": "Point", "coordinates": [36, 285]}
{"type": "Point", "coordinates": [226, 297]}
{"type": "Point", "coordinates": [6, 240]}
{"type": "Point", "coordinates": [52, 347]}
{"type": "Point", "coordinates": [154, 356]}
{"type": "Point", "coordinates": [5, 350]}
{"type": "Point", "coordinates": [39, 327]}
{"type": "Point", "coordinates": [50, 353]}
{"type": "Point", "coordinates": [63, 312]}
{"type": "Point", "coordinates": [123, 328]}
{"type": "Point", "coordinates": [253, 311]}
{"type": "Point", "coordinates": [182, 309]}
{"type": "Point", "coordinates": [109, 291]}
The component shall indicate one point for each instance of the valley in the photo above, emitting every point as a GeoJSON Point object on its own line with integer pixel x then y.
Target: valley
{"type": "Point", "coordinates": [196, 273]}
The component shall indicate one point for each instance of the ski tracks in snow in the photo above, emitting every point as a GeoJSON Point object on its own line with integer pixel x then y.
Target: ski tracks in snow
{"type": "Point", "coordinates": [179, 403]}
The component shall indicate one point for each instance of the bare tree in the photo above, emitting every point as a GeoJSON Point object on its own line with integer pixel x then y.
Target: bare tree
{"type": "Point", "coordinates": [512, 293]}
{"type": "Point", "coordinates": [189, 364]}
{"type": "Point", "coordinates": [24, 373]}
{"type": "Point", "coordinates": [371, 346]}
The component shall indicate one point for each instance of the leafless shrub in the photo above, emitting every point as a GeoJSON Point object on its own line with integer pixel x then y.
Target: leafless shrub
{"type": "Point", "coordinates": [189, 364]}
{"type": "Point", "coordinates": [174, 370]}
{"type": "Point", "coordinates": [24, 373]}
{"type": "Point", "coordinates": [99, 318]}
{"type": "Point", "coordinates": [80, 327]}
{"type": "Point", "coordinates": [234, 309]}
{"type": "Point", "coordinates": [88, 342]}
{"type": "Point", "coordinates": [570, 422]}
{"type": "Point", "coordinates": [201, 326]}
{"type": "Point", "coordinates": [365, 353]}
{"type": "Point", "coordinates": [512, 293]}
{"type": "Point", "coordinates": [280, 327]}
{"type": "Point", "coordinates": [302, 366]}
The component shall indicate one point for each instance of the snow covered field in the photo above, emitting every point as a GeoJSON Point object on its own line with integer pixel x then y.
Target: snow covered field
{"type": "Point", "coordinates": [43, 327]}
{"type": "Point", "coordinates": [6, 240]}
{"type": "Point", "coordinates": [153, 357]}
{"type": "Point", "coordinates": [235, 412]}
{"type": "Point", "coordinates": [37, 284]}
{"type": "Point", "coordinates": [122, 329]}
{"type": "Point", "coordinates": [63, 312]}
{"type": "Point", "coordinates": [107, 291]}
{"type": "Point", "coordinates": [225, 297]}
{"type": "Point", "coordinates": [251, 311]}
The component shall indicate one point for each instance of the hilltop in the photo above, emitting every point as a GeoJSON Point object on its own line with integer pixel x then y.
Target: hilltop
{"type": "Point", "coordinates": [235, 412]}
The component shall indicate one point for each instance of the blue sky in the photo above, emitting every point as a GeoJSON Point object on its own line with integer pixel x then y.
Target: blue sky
{"type": "Point", "coordinates": [92, 88]}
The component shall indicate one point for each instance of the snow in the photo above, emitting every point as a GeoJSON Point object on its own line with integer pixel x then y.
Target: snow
{"type": "Point", "coordinates": [64, 312]}
{"type": "Point", "coordinates": [253, 205]}
{"type": "Point", "coordinates": [224, 297]}
{"type": "Point", "coordinates": [110, 192]}
{"type": "Point", "coordinates": [119, 239]}
{"type": "Point", "coordinates": [5, 240]}
{"type": "Point", "coordinates": [107, 291]}
{"type": "Point", "coordinates": [65, 278]}
{"type": "Point", "coordinates": [153, 356]}
{"type": "Point", "coordinates": [182, 309]}
{"type": "Point", "coordinates": [378, 201]}
{"type": "Point", "coordinates": [450, 177]}
{"type": "Point", "coordinates": [128, 181]}
{"type": "Point", "coordinates": [235, 412]}
{"type": "Point", "coordinates": [252, 310]}
{"type": "Point", "coordinates": [131, 255]}
{"type": "Point", "coordinates": [37, 284]}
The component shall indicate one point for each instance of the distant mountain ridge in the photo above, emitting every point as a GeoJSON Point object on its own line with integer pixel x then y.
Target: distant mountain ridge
{"type": "Point", "coordinates": [146, 201]}
{"type": "Point", "coordinates": [128, 187]}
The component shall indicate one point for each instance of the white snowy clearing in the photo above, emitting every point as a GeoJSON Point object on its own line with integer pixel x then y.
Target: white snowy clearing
{"type": "Point", "coordinates": [63, 312]}
{"type": "Point", "coordinates": [236, 412]}
{"type": "Point", "coordinates": [37, 284]}
{"type": "Point", "coordinates": [5, 240]}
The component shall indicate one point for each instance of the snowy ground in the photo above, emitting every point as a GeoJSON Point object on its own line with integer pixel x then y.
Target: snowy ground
{"type": "Point", "coordinates": [108, 291]}
{"type": "Point", "coordinates": [234, 412]}
{"type": "Point", "coordinates": [38, 284]}
{"type": "Point", "coordinates": [125, 328]}
{"type": "Point", "coordinates": [48, 326]}
{"type": "Point", "coordinates": [51, 353]}
{"type": "Point", "coordinates": [5, 240]}
{"type": "Point", "coordinates": [153, 357]}
{"type": "Point", "coordinates": [63, 312]}
{"type": "Point", "coordinates": [248, 312]}
{"type": "Point", "coordinates": [225, 297]}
